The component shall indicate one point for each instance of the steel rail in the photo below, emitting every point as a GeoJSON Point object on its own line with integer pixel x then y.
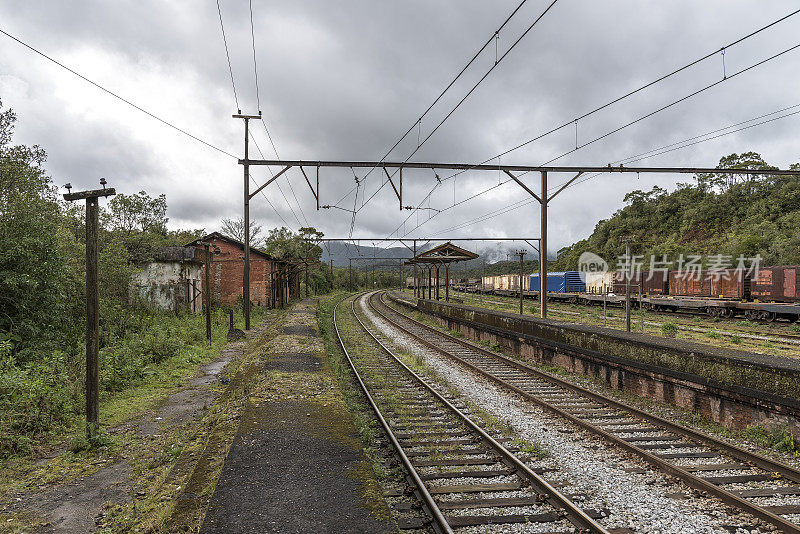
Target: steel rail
{"type": "Point", "coordinates": [432, 508]}
{"type": "Point", "coordinates": [552, 496]}
{"type": "Point", "coordinates": [674, 470]}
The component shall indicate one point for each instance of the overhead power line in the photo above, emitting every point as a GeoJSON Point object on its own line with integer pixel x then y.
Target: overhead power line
{"type": "Point", "coordinates": [228, 55]}
{"type": "Point", "coordinates": [264, 124]}
{"type": "Point", "coordinates": [236, 99]}
{"type": "Point", "coordinates": [115, 95]}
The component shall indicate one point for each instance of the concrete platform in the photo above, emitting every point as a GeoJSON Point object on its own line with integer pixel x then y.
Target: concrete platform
{"type": "Point", "coordinates": [296, 465]}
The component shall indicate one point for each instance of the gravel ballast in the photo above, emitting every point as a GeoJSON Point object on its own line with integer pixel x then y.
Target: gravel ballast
{"type": "Point", "coordinates": [584, 466]}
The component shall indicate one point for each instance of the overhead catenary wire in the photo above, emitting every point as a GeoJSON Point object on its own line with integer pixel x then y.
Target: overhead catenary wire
{"type": "Point", "coordinates": [691, 141]}
{"type": "Point", "coordinates": [464, 98]}
{"type": "Point", "coordinates": [694, 62]}
{"type": "Point", "coordinates": [610, 103]}
{"type": "Point", "coordinates": [236, 99]}
{"type": "Point", "coordinates": [418, 122]}
{"type": "Point", "coordinates": [746, 69]}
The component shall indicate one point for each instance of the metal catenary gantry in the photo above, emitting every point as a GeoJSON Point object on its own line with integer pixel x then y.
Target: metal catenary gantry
{"type": "Point", "coordinates": [542, 197]}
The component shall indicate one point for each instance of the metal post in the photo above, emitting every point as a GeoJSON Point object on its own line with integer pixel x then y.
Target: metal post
{"type": "Point", "coordinates": [628, 287]}
{"type": "Point", "coordinates": [350, 271]}
{"type": "Point", "coordinates": [246, 272]}
{"type": "Point", "coordinates": [641, 308]}
{"type": "Point", "coordinates": [605, 294]}
{"type": "Point", "coordinates": [483, 285]}
{"type": "Point", "coordinates": [416, 275]}
{"type": "Point", "coordinates": [429, 283]}
{"type": "Point", "coordinates": [332, 284]}
{"type": "Point", "coordinates": [207, 291]}
{"type": "Point", "coordinates": [543, 251]}
{"type": "Point", "coordinates": [521, 254]}
{"type": "Point", "coordinates": [447, 282]}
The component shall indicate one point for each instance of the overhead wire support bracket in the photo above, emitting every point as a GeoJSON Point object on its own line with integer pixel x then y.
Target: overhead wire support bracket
{"type": "Point", "coordinates": [315, 193]}
{"type": "Point", "coordinates": [396, 192]}
{"type": "Point", "coordinates": [525, 187]}
{"type": "Point", "coordinates": [565, 185]}
{"type": "Point", "coordinates": [275, 177]}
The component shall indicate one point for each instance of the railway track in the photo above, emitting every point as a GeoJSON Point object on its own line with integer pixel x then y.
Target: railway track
{"type": "Point", "coordinates": [786, 338]}
{"type": "Point", "coordinates": [762, 487]}
{"type": "Point", "coordinates": [461, 475]}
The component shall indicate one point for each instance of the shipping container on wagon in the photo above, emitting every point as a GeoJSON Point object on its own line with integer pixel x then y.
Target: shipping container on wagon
{"type": "Point", "coordinates": [598, 283]}
{"type": "Point", "coordinates": [689, 284]}
{"type": "Point", "coordinates": [654, 282]}
{"type": "Point", "coordinates": [727, 284]}
{"type": "Point", "coordinates": [730, 284]}
{"type": "Point", "coordinates": [778, 284]}
{"type": "Point", "coordinates": [561, 282]}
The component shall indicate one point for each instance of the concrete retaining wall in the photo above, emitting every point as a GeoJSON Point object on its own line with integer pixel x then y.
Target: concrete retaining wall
{"type": "Point", "coordinates": [724, 386]}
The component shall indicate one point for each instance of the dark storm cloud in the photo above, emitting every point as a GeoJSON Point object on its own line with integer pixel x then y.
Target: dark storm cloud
{"type": "Point", "coordinates": [342, 80]}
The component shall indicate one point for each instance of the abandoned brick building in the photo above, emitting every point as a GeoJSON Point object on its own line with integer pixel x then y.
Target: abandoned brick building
{"type": "Point", "coordinates": [273, 282]}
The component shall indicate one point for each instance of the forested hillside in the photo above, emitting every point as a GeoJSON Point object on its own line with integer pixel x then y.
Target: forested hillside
{"type": "Point", "coordinates": [717, 214]}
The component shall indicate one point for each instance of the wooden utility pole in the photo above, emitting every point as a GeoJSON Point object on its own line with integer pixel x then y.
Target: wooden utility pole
{"type": "Point", "coordinates": [207, 286]}
{"type": "Point", "coordinates": [247, 197]}
{"type": "Point", "coordinates": [92, 304]}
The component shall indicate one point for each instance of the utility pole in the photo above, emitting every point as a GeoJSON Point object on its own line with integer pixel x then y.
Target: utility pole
{"type": "Point", "coordinates": [628, 274]}
{"type": "Point", "coordinates": [92, 304]}
{"type": "Point", "coordinates": [246, 273]}
{"type": "Point", "coordinates": [521, 254]}
{"type": "Point", "coordinates": [207, 287]}
{"type": "Point", "coordinates": [332, 284]}
{"type": "Point", "coordinates": [350, 271]}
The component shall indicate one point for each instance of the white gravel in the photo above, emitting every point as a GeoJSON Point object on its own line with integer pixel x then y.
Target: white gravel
{"type": "Point", "coordinates": [636, 501]}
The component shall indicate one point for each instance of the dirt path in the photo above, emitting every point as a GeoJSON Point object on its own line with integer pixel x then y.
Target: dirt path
{"type": "Point", "coordinates": [79, 504]}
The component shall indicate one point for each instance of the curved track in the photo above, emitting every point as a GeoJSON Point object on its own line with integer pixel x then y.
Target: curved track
{"type": "Point", "coordinates": [438, 443]}
{"type": "Point", "coordinates": [740, 478]}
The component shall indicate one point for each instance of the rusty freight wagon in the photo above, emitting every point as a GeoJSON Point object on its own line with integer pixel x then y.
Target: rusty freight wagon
{"type": "Point", "coordinates": [778, 284]}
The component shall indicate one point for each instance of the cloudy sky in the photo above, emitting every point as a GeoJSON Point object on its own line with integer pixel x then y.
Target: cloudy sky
{"type": "Point", "coordinates": [344, 80]}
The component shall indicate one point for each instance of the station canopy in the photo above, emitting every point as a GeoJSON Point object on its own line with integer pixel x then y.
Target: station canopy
{"type": "Point", "coordinates": [444, 254]}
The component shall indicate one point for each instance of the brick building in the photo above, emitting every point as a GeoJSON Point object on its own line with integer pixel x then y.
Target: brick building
{"type": "Point", "coordinates": [273, 282]}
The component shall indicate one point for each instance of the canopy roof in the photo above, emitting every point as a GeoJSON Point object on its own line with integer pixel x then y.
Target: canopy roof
{"type": "Point", "coordinates": [443, 254]}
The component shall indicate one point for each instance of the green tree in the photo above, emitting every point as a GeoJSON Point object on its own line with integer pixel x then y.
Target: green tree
{"type": "Point", "coordinates": [31, 266]}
